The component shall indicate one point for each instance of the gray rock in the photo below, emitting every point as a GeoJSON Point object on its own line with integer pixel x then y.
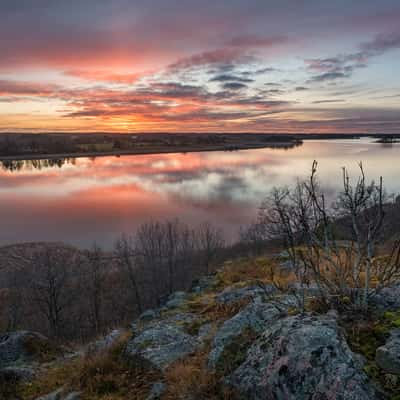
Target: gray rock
{"type": "Point", "coordinates": [61, 394]}
{"type": "Point", "coordinates": [162, 345]}
{"type": "Point", "coordinates": [157, 390]}
{"type": "Point", "coordinates": [388, 356]}
{"type": "Point", "coordinates": [255, 317]}
{"type": "Point", "coordinates": [176, 300]}
{"type": "Point", "coordinates": [149, 315]}
{"type": "Point", "coordinates": [104, 344]}
{"type": "Point", "coordinates": [202, 284]}
{"type": "Point", "coordinates": [56, 395]}
{"type": "Point", "coordinates": [13, 346]}
{"type": "Point", "coordinates": [302, 358]}
{"type": "Point", "coordinates": [387, 299]}
{"type": "Point", "coordinates": [73, 396]}
{"type": "Point", "coordinates": [205, 332]}
{"type": "Point", "coordinates": [235, 294]}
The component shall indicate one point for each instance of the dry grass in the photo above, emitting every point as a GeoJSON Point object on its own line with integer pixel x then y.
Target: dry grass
{"type": "Point", "coordinates": [190, 378]}
{"type": "Point", "coordinates": [250, 271]}
{"type": "Point", "coordinates": [106, 376]}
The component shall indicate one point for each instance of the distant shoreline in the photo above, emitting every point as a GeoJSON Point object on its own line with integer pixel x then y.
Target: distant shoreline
{"type": "Point", "coordinates": [17, 147]}
{"type": "Point", "coordinates": [150, 151]}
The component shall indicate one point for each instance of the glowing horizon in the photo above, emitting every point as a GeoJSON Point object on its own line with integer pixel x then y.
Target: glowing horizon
{"type": "Point", "coordinates": [237, 66]}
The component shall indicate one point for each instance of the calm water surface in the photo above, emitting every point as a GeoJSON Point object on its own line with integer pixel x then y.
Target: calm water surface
{"type": "Point", "coordinates": [85, 200]}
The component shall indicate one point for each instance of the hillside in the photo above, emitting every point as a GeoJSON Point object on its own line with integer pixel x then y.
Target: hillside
{"type": "Point", "coordinates": [237, 334]}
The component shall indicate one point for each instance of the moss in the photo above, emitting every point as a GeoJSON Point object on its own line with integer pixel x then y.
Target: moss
{"type": "Point", "coordinates": [234, 353]}
{"type": "Point", "coordinates": [365, 337]}
{"type": "Point", "coordinates": [392, 318]}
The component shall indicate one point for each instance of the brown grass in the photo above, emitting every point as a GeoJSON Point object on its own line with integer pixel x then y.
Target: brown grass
{"type": "Point", "coordinates": [190, 378]}
{"type": "Point", "coordinates": [106, 376]}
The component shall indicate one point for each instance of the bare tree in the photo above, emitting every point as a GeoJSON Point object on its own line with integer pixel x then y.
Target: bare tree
{"type": "Point", "coordinates": [210, 242]}
{"type": "Point", "coordinates": [50, 290]}
{"type": "Point", "coordinates": [95, 284]}
{"type": "Point", "coordinates": [254, 235]}
{"type": "Point", "coordinates": [125, 253]}
{"type": "Point", "coordinates": [314, 236]}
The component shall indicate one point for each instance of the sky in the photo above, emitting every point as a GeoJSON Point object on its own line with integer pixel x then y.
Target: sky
{"type": "Point", "coordinates": [200, 66]}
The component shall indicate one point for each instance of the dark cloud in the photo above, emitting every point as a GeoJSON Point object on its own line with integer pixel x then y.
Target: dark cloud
{"type": "Point", "coordinates": [342, 66]}
{"type": "Point", "coordinates": [329, 76]}
{"type": "Point", "coordinates": [229, 78]}
{"type": "Point", "coordinates": [381, 44]}
{"type": "Point", "coordinates": [300, 88]}
{"type": "Point", "coordinates": [234, 86]}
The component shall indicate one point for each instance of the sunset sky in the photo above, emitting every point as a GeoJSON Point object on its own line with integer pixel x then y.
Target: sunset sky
{"type": "Point", "coordinates": [195, 66]}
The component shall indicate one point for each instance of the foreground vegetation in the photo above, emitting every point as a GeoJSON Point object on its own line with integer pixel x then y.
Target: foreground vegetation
{"type": "Point", "coordinates": [303, 270]}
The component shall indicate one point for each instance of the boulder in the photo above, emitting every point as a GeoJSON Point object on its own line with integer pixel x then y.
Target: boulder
{"type": "Point", "coordinates": [388, 355]}
{"type": "Point", "coordinates": [161, 345]}
{"type": "Point", "coordinates": [234, 294]}
{"type": "Point", "coordinates": [299, 358]}
{"type": "Point", "coordinates": [21, 346]}
{"type": "Point", "coordinates": [387, 299]}
{"type": "Point", "coordinates": [254, 317]}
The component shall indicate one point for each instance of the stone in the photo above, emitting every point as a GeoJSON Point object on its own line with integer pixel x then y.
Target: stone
{"type": "Point", "coordinates": [203, 283]}
{"type": "Point", "coordinates": [254, 317]}
{"type": "Point", "coordinates": [235, 294]}
{"type": "Point", "coordinates": [161, 345]}
{"type": "Point", "coordinates": [156, 391]}
{"type": "Point", "coordinates": [387, 299]}
{"type": "Point", "coordinates": [388, 356]}
{"type": "Point", "coordinates": [61, 394]}
{"type": "Point", "coordinates": [176, 300]}
{"type": "Point", "coordinates": [149, 315]}
{"type": "Point", "coordinates": [73, 396]}
{"type": "Point", "coordinates": [56, 395]}
{"type": "Point", "coordinates": [15, 347]}
{"type": "Point", "coordinates": [302, 357]}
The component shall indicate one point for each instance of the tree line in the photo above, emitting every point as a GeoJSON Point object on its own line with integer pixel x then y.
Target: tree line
{"type": "Point", "coordinates": [70, 294]}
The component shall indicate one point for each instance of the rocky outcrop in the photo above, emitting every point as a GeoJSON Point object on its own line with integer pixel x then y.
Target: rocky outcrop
{"type": "Point", "coordinates": [388, 355]}
{"type": "Point", "coordinates": [235, 294]}
{"type": "Point", "coordinates": [299, 358]}
{"type": "Point", "coordinates": [161, 342]}
{"type": "Point", "coordinates": [176, 300]}
{"type": "Point", "coordinates": [162, 345]}
{"type": "Point", "coordinates": [254, 317]}
{"type": "Point", "coordinates": [20, 346]}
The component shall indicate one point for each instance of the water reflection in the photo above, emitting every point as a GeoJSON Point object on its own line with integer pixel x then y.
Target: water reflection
{"type": "Point", "coordinates": [18, 165]}
{"type": "Point", "coordinates": [83, 200]}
